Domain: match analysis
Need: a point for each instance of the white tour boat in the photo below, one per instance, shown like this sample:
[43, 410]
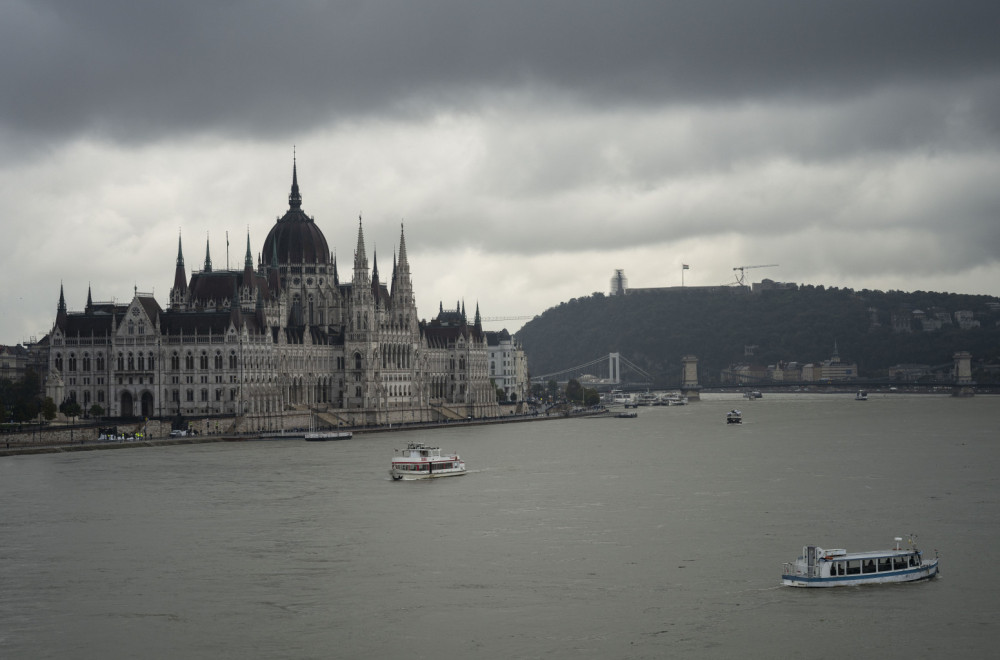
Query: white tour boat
[839, 568]
[734, 417]
[418, 461]
[647, 399]
[861, 396]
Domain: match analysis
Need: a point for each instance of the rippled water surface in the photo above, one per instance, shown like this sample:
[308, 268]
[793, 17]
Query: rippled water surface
[661, 536]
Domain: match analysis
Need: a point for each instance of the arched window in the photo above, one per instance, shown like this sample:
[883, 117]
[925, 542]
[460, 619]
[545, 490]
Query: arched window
[189, 361]
[141, 362]
[86, 361]
[218, 360]
[203, 361]
[152, 362]
[100, 361]
[72, 361]
[357, 360]
[232, 360]
[121, 362]
[175, 361]
[131, 362]
[59, 362]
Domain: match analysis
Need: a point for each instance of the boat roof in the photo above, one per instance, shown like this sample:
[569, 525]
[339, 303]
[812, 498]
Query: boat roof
[868, 554]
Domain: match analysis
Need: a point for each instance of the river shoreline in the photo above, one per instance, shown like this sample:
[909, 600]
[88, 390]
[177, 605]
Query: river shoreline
[95, 445]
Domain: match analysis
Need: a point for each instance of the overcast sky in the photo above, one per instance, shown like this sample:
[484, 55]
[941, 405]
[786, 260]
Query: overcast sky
[529, 147]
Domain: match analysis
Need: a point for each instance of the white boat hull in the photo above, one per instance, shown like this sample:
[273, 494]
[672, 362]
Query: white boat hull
[923, 572]
[409, 475]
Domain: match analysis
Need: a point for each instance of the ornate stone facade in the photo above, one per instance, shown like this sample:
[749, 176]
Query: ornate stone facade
[285, 335]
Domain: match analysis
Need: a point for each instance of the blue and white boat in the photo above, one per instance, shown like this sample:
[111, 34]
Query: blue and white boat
[817, 567]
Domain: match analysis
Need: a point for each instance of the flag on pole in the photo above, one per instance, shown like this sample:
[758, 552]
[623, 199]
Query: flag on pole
[685, 267]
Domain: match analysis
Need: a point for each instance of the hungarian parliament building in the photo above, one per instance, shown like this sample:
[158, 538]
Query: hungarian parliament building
[285, 336]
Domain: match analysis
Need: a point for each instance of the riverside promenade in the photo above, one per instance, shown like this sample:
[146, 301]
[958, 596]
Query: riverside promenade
[26, 443]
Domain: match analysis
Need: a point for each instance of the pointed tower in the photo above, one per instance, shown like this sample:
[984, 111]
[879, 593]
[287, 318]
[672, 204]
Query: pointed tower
[61, 315]
[361, 281]
[403, 305]
[376, 285]
[208, 257]
[180, 287]
[404, 287]
[479, 320]
[294, 198]
[90, 300]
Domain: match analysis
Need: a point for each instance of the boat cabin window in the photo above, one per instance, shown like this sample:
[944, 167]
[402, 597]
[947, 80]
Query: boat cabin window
[853, 567]
[885, 564]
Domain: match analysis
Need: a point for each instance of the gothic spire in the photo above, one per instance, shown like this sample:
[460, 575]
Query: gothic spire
[404, 265]
[180, 276]
[294, 198]
[360, 259]
[403, 288]
[361, 282]
[375, 282]
[248, 261]
[61, 309]
[208, 257]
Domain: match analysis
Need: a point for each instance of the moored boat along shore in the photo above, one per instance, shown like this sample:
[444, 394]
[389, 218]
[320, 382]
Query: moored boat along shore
[27, 443]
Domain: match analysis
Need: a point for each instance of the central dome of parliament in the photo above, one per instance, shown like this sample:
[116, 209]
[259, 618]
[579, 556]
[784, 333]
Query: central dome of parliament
[295, 238]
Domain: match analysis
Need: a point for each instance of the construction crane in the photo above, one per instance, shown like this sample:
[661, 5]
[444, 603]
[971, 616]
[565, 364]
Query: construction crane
[740, 277]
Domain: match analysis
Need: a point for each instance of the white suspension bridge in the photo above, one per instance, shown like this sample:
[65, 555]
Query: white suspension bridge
[611, 370]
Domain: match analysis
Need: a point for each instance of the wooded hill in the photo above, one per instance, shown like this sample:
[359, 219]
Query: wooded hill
[654, 329]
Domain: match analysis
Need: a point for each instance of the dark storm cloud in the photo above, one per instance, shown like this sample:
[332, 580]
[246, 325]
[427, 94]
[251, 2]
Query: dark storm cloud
[137, 71]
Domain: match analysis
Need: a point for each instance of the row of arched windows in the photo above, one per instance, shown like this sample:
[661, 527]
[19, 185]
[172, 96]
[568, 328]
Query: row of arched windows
[85, 362]
[135, 362]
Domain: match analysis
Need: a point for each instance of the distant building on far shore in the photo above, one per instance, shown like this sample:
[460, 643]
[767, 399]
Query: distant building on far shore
[13, 362]
[620, 287]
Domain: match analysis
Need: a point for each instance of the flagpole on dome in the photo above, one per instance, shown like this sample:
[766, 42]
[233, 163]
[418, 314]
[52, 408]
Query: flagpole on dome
[684, 267]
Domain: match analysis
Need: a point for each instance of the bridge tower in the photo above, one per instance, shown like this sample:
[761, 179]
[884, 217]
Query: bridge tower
[964, 386]
[689, 378]
[615, 368]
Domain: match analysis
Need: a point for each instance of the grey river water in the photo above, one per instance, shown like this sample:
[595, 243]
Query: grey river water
[661, 536]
